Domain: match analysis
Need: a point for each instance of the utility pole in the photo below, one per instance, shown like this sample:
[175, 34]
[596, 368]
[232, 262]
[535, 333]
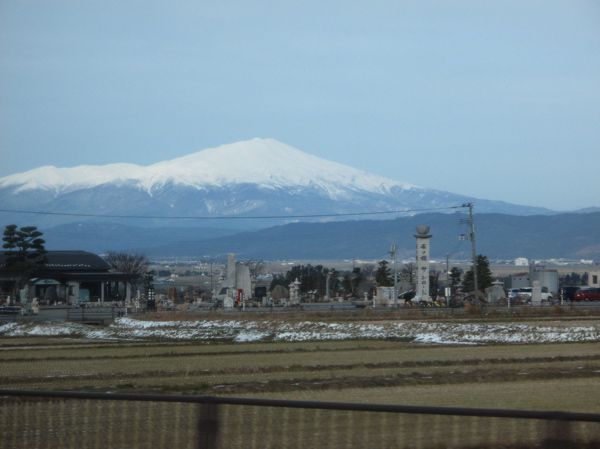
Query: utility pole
[393, 251]
[211, 280]
[448, 289]
[473, 247]
[447, 270]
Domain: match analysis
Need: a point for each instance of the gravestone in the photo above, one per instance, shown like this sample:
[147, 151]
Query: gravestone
[536, 293]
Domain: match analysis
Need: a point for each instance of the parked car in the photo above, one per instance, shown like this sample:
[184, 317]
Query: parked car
[525, 293]
[587, 294]
[514, 292]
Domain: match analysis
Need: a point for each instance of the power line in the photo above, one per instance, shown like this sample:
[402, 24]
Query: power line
[230, 217]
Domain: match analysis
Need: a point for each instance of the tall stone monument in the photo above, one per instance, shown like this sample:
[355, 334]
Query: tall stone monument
[237, 277]
[295, 292]
[422, 288]
[242, 279]
[229, 281]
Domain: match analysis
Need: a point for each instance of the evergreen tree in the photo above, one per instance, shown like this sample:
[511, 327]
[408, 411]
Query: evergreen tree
[455, 275]
[573, 279]
[383, 275]
[334, 281]
[278, 279]
[585, 278]
[23, 246]
[484, 275]
[357, 277]
[24, 251]
[347, 284]
[311, 278]
[434, 283]
[351, 281]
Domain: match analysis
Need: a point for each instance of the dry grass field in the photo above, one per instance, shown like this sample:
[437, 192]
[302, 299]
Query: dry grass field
[541, 376]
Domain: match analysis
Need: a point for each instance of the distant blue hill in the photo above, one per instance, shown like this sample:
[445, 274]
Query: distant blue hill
[499, 236]
[102, 237]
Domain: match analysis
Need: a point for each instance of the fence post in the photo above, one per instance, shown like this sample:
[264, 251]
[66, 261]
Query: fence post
[208, 426]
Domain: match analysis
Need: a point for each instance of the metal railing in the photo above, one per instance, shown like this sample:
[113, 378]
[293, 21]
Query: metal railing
[36, 419]
[103, 315]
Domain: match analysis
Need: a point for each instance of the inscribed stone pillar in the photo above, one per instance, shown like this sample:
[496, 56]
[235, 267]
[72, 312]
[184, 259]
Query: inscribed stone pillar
[422, 254]
[230, 278]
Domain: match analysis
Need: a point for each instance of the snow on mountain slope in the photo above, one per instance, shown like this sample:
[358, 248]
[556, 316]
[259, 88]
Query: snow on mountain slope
[60, 180]
[264, 162]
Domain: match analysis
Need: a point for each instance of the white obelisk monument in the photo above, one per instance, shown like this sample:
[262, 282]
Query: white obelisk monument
[422, 288]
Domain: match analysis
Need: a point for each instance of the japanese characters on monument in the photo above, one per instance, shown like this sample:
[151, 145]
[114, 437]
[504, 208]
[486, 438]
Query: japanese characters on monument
[422, 255]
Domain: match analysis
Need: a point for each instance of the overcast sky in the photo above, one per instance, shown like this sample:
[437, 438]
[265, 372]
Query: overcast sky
[499, 100]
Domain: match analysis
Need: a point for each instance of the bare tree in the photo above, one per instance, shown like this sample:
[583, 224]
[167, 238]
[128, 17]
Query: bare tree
[368, 270]
[408, 273]
[256, 268]
[135, 265]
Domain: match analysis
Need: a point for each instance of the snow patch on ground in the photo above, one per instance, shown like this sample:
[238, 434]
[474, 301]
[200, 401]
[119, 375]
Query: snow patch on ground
[247, 336]
[249, 331]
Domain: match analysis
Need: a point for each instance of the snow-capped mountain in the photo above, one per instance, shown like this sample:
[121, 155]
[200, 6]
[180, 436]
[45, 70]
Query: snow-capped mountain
[254, 177]
[265, 163]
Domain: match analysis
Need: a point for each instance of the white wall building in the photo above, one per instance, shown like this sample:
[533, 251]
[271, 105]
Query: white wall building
[594, 279]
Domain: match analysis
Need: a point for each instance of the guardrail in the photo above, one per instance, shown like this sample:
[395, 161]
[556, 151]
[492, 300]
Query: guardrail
[105, 315]
[401, 310]
[32, 419]
[100, 315]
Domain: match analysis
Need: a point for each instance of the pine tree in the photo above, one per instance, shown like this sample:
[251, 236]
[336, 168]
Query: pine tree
[383, 275]
[334, 282]
[24, 251]
[312, 278]
[23, 246]
[278, 279]
[484, 275]
[351, 281]
[455, 275]
[434, 283]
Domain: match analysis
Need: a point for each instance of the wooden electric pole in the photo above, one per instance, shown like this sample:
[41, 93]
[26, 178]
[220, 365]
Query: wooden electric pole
[473, 247]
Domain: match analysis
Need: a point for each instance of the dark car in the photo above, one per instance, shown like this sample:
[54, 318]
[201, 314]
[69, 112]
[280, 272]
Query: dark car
[587, 294]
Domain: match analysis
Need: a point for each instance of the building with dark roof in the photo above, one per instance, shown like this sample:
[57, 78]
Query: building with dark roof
[68, 277]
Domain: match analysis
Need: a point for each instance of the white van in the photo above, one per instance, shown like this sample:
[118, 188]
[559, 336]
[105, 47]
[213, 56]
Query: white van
[526, 293]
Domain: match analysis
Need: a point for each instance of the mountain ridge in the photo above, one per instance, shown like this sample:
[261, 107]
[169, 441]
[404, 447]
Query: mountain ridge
[264, 162]
[259, 177]
[500, 236]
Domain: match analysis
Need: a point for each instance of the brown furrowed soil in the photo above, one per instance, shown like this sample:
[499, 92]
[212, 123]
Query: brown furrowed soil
[541, 376]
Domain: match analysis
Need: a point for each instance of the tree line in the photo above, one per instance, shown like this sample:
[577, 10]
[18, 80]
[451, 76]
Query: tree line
[357, 281]
[25, 253]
